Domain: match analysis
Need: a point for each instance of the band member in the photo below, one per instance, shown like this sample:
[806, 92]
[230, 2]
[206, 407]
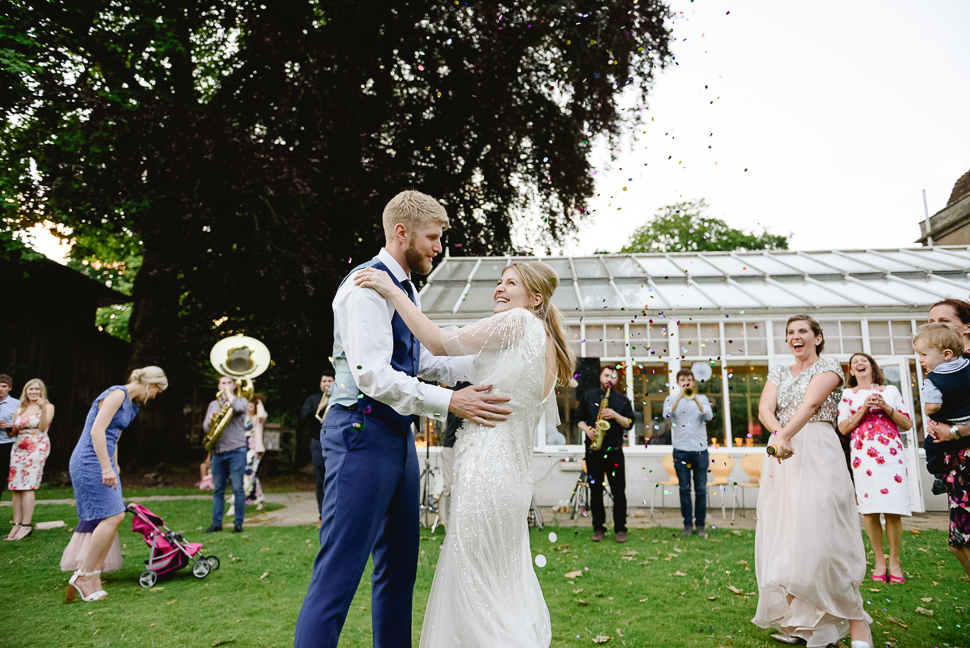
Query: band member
[311, 417]
[228, 456]
[608, 459]
[689, 412]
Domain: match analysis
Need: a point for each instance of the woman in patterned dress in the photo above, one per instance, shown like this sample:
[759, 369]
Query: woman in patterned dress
[955, 447]
[94, 472]
[29, 454]
[809, 556]
[873, 413]
[255, 418]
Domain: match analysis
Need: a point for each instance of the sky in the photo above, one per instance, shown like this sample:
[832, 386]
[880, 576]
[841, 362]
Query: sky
[824, 120]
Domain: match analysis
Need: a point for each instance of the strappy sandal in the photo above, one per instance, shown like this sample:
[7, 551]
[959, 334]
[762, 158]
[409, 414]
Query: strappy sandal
[26, 535]
[72, 586]
[11, 535]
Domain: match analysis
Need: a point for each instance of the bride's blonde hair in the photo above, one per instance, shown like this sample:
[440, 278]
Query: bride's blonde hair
[540, 279]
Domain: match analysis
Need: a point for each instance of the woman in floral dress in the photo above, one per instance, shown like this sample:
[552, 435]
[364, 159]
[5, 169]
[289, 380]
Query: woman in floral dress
[255, 418]
[873, 413]
[29, 454]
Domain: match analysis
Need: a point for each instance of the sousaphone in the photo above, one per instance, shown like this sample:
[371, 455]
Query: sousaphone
[241, 358]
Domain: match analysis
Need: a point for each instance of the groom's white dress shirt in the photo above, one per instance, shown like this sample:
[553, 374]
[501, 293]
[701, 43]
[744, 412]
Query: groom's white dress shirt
[364, 321]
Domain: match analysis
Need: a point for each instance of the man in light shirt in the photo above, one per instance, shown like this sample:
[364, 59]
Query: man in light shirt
[370, 500]
[8, 407]
[687, 422]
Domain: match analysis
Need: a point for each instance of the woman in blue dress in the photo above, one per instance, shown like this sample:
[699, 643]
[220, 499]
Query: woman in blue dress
[94, 472]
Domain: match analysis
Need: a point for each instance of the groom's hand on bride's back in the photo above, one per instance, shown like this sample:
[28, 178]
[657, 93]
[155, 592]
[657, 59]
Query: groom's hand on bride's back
[476, 404]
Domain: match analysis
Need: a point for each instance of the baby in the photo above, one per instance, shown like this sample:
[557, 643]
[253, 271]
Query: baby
[945, 391]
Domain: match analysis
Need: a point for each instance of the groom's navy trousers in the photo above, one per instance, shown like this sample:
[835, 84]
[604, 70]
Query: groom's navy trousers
[370, 504]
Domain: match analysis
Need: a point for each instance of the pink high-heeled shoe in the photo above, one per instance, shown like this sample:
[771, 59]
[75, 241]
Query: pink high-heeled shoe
[896, 579]
[881, 578]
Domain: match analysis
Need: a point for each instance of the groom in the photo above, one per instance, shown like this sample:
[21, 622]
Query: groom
[370, 502]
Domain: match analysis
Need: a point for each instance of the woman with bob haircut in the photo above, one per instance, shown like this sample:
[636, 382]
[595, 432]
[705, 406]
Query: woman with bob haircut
[94, 473]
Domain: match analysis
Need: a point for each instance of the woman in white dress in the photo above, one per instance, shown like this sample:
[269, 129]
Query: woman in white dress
[874, 413]
[485, 591]
[808, 551]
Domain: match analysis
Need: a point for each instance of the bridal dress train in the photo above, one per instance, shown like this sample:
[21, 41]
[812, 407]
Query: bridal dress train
[485, 592]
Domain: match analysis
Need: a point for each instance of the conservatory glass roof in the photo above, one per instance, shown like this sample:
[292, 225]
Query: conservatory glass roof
[910, 278]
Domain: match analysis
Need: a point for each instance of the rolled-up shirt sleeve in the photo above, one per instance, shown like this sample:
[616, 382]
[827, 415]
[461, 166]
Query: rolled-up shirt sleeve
[368, 339]
[707, 411]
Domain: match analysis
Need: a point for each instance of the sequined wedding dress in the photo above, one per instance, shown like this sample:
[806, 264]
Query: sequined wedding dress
[485, 592]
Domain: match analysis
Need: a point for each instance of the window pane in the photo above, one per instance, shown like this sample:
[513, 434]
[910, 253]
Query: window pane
[745, 383]
[915, 380]
[880, 346]
[757, 342]
[649, 391]
[594, 341]
[573, 337]
[902, 337]
[735, 343]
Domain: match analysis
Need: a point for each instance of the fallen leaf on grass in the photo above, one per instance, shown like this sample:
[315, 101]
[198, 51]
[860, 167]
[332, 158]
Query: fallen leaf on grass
[679, 573]
[915, 532]
[156, 589]
[618, 633]
[927, 599]
[873, 589]
[893, 619]
[578, 590]
[644, 600]
[711, 598]
[582, 603]
[170, 602]
[265, 574]
[735, 590]
[96, 632]
[600, 639]
[573, 574]
[924, 611]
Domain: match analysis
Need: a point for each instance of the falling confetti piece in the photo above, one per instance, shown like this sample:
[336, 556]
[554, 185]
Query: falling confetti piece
[553, 537]
[540, 561]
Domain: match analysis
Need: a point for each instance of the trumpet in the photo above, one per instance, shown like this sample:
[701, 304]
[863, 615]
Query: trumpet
[602, 426]
[242, 359]
[690, 393]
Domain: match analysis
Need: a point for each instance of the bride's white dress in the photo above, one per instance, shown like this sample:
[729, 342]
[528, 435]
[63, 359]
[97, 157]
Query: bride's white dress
[485, 592]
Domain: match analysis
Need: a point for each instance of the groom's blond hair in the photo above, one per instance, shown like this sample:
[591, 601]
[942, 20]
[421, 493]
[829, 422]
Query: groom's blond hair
[415, 211]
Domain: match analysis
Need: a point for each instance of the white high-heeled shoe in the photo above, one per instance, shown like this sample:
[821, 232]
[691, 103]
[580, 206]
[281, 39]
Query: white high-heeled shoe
[864, 644]
[90, 598]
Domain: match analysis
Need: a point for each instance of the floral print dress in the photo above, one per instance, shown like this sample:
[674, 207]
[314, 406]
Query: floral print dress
[28, 455]
[878, 458]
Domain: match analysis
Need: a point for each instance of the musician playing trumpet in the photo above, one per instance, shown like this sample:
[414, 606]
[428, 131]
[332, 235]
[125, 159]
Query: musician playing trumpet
[689, 412]
[228, 455]
[617, 411]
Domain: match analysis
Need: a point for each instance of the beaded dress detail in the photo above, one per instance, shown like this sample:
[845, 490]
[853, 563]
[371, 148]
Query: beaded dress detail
[485, 590]
[791, 391]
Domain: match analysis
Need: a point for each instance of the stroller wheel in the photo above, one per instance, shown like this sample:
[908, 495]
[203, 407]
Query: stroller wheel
[201, 569]
[213, 562]
[148, 579]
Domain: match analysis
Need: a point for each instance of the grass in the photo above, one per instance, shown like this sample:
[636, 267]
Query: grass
[656, 590]
[48, 492]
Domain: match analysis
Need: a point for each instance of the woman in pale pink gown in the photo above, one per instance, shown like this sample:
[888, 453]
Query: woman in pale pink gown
[809, 556]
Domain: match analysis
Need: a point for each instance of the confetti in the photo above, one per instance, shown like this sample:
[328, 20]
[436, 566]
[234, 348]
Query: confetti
[540, 561]
[553, 537]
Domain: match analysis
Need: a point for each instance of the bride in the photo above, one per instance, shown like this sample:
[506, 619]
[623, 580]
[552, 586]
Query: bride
[485, 591]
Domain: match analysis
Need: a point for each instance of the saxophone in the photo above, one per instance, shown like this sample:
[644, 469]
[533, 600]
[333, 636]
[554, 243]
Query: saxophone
[601, 425]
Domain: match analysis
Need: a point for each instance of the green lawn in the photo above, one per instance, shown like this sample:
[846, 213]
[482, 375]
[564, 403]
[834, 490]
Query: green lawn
[46, 492]
[657, 590]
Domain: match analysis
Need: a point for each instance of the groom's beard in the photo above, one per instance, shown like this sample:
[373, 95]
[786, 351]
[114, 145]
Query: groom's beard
[416, 261]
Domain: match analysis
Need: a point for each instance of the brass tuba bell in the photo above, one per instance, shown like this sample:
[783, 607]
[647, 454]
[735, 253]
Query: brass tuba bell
[241, 358]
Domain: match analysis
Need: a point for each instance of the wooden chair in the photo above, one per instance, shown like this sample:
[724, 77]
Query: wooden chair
[752, 465]
[721, 466]
[668, 464]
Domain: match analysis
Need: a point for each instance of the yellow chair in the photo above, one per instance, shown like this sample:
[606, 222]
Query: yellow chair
[668, 464]
[721, 466]
[751, 464]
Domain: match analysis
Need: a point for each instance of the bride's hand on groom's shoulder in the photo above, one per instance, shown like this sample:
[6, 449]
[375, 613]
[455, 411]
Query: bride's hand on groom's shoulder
[376, 280]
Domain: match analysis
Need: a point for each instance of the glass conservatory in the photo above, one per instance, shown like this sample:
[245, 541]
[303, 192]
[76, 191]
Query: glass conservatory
[652, 314]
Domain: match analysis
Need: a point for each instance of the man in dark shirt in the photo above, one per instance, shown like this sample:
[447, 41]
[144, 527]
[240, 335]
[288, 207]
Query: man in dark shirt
[311, 418]
[609, 458]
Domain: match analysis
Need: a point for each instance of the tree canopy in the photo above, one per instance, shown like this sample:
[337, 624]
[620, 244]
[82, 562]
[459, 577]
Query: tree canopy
[683, 227]
[230, 160]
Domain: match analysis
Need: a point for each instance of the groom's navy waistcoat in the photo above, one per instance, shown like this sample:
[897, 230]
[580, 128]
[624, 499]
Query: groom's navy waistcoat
[404, 358]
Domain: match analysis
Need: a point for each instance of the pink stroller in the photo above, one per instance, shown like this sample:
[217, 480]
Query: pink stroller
[170, 551]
